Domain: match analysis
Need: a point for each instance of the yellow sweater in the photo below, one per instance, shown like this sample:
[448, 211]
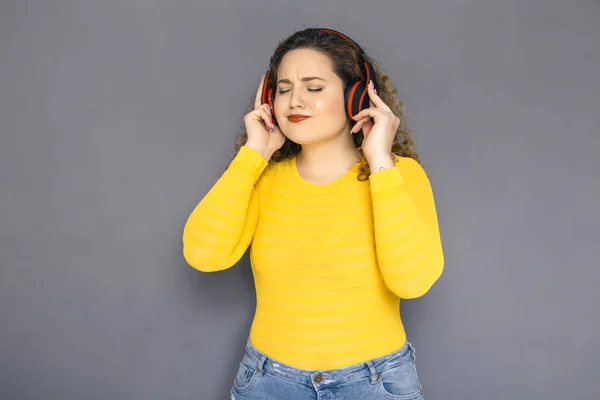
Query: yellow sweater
[330, 262]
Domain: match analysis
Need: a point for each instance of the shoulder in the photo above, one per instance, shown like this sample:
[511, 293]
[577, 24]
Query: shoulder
[412, 171]
[272, 171]
[276, 167]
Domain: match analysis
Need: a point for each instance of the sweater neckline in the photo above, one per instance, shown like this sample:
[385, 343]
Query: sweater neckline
[350, 173]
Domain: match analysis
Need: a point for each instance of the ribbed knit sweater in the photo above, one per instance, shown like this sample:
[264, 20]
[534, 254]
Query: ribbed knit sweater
[330, 262]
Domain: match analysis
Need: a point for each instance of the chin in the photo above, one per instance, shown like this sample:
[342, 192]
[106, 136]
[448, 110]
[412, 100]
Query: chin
[300, 139]
[308, 139]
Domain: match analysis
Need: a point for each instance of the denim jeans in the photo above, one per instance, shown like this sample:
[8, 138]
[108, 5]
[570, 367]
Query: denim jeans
[392, 377]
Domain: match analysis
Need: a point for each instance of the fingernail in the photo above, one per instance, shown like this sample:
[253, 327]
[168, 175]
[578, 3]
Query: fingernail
[371, 84]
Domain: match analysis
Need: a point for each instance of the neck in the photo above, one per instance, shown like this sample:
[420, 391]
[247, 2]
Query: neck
[332, 156]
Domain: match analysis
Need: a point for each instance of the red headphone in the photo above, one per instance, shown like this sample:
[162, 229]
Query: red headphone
[356, 98]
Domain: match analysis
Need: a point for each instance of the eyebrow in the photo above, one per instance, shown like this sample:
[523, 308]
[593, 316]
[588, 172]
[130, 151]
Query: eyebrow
[305, 79]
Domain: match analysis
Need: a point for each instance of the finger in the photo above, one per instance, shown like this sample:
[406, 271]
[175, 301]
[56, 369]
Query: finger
[376, 99]
[266, 117]
[261, 115]
[366, 127]
[266, 107]
[257, 100]
[269, 112]
[356, 127]
[359, 125]
[372, 112]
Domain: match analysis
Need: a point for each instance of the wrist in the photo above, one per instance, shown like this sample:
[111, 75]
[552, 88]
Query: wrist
[266, 153]
[381, 162]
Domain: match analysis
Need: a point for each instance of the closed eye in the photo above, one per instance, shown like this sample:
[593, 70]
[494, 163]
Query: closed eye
[310, 90]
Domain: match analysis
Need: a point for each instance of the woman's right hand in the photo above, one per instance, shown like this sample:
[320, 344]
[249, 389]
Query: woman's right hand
[263, 136]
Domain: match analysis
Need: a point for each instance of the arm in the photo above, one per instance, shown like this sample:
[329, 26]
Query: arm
[221, 227]
[407, 237]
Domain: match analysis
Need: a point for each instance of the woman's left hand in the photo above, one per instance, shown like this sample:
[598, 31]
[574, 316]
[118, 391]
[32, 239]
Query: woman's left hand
[378, 136]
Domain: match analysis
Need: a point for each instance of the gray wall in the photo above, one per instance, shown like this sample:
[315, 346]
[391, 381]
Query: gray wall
[117, 117]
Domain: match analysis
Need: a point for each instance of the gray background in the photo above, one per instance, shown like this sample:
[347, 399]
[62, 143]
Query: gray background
[117, 117]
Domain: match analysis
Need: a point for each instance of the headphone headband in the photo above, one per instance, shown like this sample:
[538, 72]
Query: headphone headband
[361, 52]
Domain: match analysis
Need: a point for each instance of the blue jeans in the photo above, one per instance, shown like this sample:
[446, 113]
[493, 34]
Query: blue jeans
[392, 376]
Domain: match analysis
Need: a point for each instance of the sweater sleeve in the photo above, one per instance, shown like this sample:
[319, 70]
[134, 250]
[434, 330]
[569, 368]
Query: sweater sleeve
[220, 228]
[407, 237]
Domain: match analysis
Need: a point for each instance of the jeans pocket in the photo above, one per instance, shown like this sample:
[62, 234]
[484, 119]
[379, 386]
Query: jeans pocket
[400, 382]
[244, 378]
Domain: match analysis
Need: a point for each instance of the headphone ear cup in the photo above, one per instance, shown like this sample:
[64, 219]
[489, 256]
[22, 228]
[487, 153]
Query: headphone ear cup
[268, 96]
[265, 89]
[357, 98]
[347, 101]
[271, 102]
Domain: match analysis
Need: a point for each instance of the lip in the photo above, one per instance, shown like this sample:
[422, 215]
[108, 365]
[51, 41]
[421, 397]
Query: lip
[297, 117]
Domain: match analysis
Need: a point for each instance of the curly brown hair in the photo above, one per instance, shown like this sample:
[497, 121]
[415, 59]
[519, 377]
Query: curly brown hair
[344, 57]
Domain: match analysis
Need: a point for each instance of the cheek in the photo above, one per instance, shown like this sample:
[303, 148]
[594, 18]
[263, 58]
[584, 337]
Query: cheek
[279, 108]
[332, 107]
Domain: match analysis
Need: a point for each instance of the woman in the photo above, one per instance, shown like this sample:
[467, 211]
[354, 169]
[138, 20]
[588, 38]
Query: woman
[327, 187]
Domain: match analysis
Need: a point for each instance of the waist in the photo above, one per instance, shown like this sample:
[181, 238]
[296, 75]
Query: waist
[327, 343]
[258, 359]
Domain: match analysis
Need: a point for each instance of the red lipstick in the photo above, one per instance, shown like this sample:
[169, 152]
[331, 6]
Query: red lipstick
[297, 117]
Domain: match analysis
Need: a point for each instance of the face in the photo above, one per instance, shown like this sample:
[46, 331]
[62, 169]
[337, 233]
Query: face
[320, 98]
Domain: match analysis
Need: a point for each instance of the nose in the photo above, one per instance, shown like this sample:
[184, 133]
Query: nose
[296, 100]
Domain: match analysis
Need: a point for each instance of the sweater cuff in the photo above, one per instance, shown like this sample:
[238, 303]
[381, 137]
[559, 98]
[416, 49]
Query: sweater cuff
[249, 160]
[382, 182]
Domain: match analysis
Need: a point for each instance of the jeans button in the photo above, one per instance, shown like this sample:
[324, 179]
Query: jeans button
[318, 378]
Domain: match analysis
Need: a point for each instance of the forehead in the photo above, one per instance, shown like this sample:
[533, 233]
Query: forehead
[298, 63]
